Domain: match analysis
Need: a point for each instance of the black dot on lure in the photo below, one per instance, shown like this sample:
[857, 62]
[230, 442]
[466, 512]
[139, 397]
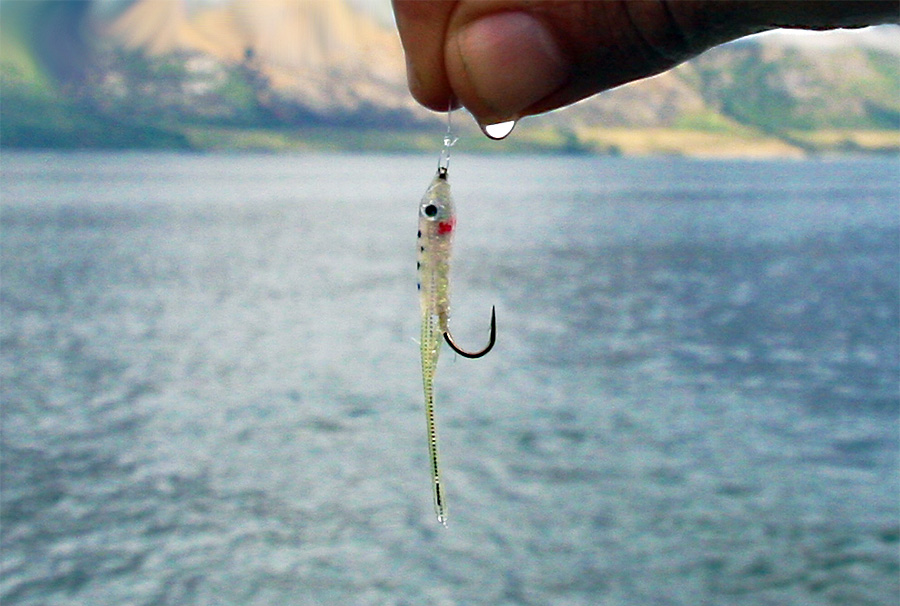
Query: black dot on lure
[430, 210]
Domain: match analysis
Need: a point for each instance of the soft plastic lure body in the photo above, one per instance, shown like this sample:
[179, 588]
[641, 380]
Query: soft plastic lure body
[437, 222]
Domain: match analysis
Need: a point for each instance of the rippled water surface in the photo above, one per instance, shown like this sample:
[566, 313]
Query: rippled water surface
[210, 390]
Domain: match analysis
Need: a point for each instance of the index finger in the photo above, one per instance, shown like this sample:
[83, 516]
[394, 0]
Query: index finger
[423, 30]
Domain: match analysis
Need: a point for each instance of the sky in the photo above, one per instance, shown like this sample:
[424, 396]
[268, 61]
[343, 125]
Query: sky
[381, 9]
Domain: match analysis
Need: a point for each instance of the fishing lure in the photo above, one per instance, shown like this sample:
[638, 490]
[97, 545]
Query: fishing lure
[437, 222]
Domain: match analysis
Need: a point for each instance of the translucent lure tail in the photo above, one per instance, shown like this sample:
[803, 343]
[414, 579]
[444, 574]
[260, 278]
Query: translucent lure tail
[430, 349]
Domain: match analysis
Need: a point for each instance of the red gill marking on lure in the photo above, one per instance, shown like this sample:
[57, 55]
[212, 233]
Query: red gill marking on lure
[445, 227]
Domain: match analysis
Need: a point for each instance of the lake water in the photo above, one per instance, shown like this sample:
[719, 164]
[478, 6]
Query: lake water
[211, 391]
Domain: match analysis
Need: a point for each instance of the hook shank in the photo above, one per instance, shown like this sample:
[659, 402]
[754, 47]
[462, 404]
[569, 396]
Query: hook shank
[468, 354]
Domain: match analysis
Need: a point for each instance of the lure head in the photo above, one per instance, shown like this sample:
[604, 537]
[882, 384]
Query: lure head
[436, 206]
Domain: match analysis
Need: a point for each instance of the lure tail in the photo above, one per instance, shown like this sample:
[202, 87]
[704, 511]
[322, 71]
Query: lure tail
[431, 346]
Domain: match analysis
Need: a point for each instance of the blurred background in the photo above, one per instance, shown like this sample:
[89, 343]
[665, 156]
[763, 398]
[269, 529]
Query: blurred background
[329, 74]
[209, 382]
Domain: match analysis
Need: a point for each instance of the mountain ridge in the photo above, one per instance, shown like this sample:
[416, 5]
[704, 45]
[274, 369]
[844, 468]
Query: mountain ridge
[288, 66]
[305, 50]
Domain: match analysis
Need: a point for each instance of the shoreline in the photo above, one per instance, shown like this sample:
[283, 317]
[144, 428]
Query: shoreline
[738, 143]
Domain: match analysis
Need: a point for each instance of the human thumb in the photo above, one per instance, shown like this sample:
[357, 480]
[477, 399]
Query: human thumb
[501, 64]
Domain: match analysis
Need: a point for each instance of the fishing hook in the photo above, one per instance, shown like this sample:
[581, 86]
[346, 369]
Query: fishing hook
[466, 354]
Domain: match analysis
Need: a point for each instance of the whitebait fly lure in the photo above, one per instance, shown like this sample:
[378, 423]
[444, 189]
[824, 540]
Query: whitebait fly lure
[437, 222]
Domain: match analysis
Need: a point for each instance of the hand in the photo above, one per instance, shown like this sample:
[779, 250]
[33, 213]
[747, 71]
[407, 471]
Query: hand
[504, 59]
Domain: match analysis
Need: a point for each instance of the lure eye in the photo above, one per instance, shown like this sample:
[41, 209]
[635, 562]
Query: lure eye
[430, 210]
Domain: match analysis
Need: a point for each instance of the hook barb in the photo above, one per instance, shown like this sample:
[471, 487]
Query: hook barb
[477, 354]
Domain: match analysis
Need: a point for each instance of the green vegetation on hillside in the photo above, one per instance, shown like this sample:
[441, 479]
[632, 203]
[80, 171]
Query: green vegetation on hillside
[789, 89]
[37, 111]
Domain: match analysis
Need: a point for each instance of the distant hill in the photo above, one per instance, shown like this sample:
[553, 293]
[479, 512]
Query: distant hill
[318, 55]
[271, 73]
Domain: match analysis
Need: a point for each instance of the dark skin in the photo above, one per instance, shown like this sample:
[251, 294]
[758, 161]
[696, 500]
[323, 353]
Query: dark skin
[505, 59]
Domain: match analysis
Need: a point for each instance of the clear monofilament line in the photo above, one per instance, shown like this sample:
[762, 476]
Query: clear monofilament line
[449, 141]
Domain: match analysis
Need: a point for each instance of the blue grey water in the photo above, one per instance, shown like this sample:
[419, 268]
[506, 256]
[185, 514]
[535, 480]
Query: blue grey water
[211, 391]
